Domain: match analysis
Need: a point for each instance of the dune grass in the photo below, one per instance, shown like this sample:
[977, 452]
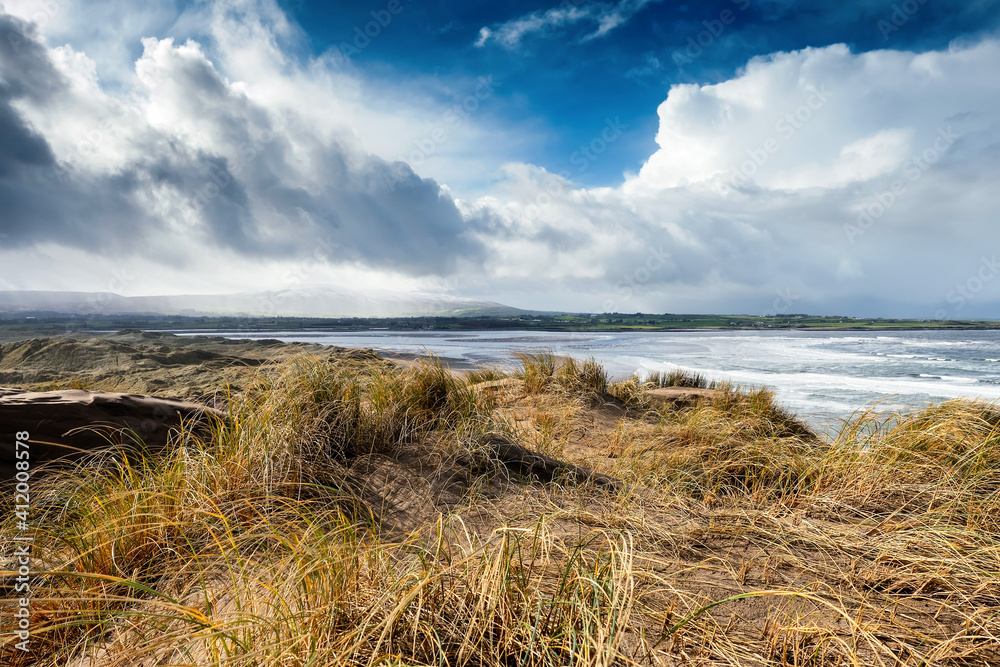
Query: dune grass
[678, 378]
[740, 538]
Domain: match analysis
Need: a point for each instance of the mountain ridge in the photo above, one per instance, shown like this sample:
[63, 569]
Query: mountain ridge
[299, 301]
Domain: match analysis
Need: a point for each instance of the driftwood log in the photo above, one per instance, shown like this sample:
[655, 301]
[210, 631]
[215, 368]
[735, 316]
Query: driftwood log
[67, 425]
[73, 423]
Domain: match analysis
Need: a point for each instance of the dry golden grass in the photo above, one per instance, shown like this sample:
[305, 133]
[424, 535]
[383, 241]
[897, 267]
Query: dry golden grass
[350, 516]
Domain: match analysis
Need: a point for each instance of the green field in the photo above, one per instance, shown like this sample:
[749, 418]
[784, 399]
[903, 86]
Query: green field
[20, 325]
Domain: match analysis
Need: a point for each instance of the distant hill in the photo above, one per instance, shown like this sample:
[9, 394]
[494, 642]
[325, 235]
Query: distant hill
[300, 301]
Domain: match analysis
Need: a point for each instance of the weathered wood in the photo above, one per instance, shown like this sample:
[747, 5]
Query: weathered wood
[73, 423]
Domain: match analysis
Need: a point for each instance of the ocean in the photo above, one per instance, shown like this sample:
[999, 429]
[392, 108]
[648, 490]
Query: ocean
[822, 376]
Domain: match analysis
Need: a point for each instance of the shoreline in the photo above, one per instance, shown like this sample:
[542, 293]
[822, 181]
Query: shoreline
[824, 403]
[318, 329]
[810, 388]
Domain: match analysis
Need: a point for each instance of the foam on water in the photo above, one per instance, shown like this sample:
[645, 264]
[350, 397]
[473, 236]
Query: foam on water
[824, 376]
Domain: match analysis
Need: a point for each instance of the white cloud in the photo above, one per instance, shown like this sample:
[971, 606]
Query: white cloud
[759, 182]
[193, 162]
[484, 36]
[840, 117]
[109, 32]
[619, 15]
[861, 160]
[606, 16]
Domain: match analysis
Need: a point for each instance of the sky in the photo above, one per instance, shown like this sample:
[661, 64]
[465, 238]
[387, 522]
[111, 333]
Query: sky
[729, 156]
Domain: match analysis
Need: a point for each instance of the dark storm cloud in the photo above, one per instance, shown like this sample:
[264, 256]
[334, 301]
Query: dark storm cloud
[40, 198]
[244, 189]
[24, 72]
[374, 212]
[391, 213]
[25, 66]
[22, 147]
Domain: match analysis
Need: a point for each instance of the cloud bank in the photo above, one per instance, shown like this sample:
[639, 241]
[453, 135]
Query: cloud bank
[852, 182]
[818, 180]
[188, 159]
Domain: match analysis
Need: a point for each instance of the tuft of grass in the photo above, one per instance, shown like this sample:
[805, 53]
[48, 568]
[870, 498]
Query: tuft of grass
[738, 445]
[586, 378]
[485, 374]
[677, 378]
[537, 370]
[631, 392]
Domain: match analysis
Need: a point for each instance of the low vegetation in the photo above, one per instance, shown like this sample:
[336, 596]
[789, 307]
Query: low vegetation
[353, 514]
[16, 326]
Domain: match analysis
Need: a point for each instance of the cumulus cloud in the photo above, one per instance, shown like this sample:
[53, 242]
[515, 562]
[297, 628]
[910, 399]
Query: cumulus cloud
[190, 159]
[109, 32]
[853, 181]
[828, 117]
[43, 196]
[605, 16]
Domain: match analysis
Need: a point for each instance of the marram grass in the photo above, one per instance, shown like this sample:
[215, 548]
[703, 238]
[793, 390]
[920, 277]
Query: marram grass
[740, 538]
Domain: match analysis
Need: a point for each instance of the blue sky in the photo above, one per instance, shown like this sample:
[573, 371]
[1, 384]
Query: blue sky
[618, 155]
[556, 80]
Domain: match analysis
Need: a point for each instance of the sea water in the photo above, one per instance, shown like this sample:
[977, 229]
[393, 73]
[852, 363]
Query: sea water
[822, 376]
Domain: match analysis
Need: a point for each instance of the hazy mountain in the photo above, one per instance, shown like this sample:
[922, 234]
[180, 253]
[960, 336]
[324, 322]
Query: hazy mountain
[301, 301]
